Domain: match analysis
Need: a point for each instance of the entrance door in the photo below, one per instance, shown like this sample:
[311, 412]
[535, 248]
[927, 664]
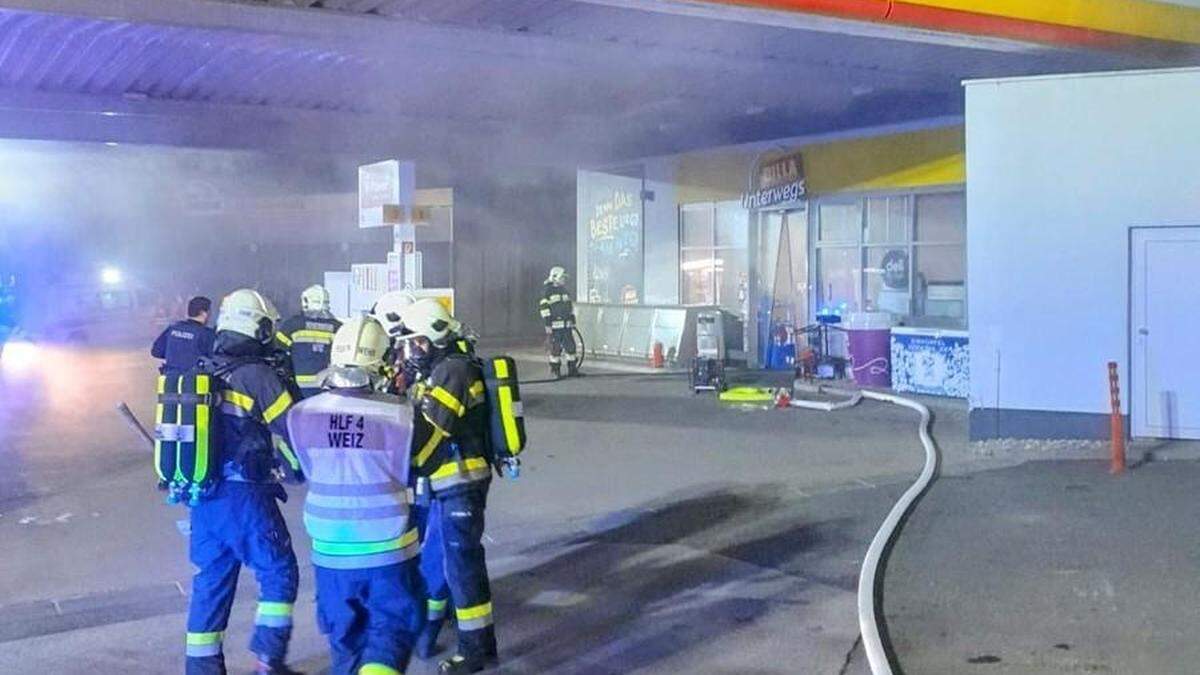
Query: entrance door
[1164, 395]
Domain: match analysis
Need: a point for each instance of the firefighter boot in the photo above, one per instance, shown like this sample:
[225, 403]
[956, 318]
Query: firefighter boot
[572, 368]
[556, 369]
[427, 639]
[467, 664]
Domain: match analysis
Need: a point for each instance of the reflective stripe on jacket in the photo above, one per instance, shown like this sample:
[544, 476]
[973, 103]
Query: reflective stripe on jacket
[254, 402]
[556, 308]
[307, 338]
[450, 432]
[354, 448]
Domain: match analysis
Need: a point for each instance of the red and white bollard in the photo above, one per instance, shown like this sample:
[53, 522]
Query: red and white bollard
[1117, 422]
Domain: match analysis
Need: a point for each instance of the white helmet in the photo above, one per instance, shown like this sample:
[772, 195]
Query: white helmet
[389, 309]
[359, 343]
[314, 299]
[430, 319]
[248, 313]
[558, 275]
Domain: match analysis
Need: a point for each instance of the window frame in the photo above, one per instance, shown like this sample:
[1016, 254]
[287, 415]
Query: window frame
[911, 246]
[711, 248]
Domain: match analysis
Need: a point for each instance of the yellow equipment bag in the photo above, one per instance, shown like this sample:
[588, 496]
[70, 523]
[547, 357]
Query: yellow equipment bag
[749, 395]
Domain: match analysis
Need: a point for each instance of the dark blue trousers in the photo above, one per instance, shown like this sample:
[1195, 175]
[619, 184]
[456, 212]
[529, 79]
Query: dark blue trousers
[371, 615]
[433, 560]
[240, 524]
[460, 514]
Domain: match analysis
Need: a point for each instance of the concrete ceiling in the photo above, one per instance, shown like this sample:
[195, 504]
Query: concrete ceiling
[563, 81]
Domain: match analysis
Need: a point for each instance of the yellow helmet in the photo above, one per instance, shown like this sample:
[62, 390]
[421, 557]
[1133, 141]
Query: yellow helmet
[359, 343]
[314, 299]
[430, 319]
[247, 312]
[389, 309]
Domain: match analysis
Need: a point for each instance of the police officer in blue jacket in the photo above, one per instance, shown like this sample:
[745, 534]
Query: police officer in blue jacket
[183, 343]
[240, 523]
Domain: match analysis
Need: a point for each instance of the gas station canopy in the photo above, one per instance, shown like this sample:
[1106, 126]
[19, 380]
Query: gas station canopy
[584, 80]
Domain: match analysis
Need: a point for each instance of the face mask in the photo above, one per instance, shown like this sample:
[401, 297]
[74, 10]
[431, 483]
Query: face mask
[418, 358]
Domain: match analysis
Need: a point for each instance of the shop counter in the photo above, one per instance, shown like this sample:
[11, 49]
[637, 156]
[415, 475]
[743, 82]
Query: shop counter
[930, 361]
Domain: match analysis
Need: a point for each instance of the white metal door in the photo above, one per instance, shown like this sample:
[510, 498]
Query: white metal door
[1165, 332]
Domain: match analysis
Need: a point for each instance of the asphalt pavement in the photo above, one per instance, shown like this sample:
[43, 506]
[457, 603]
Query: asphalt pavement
[652, 531]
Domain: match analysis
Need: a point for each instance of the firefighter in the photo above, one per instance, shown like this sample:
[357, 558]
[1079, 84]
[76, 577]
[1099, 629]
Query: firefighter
[240, 523]
[387, 311]
[403, 372]
[306, 338]
[558, 317]
[354, 446]
[184, 343]
[450, 451]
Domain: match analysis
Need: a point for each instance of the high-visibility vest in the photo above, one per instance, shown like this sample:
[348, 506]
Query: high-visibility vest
[354, 449]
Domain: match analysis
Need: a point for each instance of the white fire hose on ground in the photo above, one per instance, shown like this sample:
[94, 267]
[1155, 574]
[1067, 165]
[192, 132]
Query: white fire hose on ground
[868, 613]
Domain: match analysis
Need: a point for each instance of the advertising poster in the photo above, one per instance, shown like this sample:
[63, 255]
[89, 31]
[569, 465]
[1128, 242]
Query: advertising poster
[613, 209]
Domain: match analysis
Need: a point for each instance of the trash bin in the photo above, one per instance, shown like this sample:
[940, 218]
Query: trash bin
[869, 335]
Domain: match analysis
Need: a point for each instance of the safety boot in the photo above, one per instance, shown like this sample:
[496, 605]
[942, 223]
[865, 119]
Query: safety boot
[556, 370]
[572, 369]
[467, 664]
[427, 639]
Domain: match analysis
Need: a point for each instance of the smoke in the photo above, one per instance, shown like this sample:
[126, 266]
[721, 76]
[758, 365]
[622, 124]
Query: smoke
[498, 102]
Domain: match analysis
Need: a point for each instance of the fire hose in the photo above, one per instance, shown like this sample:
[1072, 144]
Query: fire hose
[870, 622]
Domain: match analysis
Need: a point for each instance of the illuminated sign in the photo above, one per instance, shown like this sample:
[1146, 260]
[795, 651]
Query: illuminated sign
[780, 181]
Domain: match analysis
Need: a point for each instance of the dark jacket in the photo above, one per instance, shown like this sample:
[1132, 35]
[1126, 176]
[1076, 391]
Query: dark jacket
[254, 405]
[450, 425]
[182, 345]
[556, 307]
[307, 339]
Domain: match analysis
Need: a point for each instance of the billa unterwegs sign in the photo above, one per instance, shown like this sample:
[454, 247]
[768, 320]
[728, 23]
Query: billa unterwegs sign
[780, 181]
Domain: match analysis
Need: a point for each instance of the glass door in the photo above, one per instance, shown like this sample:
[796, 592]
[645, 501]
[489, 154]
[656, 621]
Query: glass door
[782, 302]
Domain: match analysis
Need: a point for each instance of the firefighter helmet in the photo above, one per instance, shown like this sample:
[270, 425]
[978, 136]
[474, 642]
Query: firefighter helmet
[389, 309]
[429, 319]
[360, 343]
[248, 313]
[314, 299]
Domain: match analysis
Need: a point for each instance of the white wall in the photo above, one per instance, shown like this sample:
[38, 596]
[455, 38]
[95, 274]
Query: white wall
[1058, 169]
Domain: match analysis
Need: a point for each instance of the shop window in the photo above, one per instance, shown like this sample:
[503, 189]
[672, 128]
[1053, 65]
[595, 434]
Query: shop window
[941, 291]
[840, 222]
[888, 220]
[732, 225]
[696, 223]
[941, 218]
[904, 255]
[840, 269]
[885, 279]
[698, 271]
[939, 284]
[713, 261]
